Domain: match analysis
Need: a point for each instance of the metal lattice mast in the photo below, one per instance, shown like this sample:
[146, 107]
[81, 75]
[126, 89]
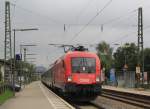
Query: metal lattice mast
[140, 41]
[8, 49]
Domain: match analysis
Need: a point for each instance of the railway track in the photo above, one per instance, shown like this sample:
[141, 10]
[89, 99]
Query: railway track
[107, 96]
[76, 105]
[86, 105]
[138, 100]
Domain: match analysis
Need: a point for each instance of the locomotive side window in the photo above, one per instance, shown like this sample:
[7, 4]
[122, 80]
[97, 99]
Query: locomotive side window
[83, 65]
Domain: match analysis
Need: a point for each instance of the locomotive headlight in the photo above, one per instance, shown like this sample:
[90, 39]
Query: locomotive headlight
[97, 79]
[69, 79]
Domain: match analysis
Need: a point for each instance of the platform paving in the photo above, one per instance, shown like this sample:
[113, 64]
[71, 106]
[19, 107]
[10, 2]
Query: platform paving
[130, 90]
[31, 97]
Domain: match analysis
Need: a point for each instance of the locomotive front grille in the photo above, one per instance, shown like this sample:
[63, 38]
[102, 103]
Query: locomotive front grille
[73, 88]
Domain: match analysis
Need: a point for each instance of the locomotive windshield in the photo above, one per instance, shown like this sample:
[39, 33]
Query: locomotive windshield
[83, 65]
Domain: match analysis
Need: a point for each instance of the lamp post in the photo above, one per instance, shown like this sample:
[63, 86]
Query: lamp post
[21, 47]
[29, 29]
[31, 58]
[30, 73]
[25, 59]
[26, 45]
[14, 66]
[21, 30]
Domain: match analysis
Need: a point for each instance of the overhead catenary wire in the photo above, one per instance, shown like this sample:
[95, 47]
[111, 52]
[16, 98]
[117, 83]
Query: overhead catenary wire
[106, 22]
[83, 9]
[55, 20]
[38, 14]
[119, 17]
[128, 34]
[91, 20]
[109, 21]
[114, 25]
[123, 37]
[27, 10]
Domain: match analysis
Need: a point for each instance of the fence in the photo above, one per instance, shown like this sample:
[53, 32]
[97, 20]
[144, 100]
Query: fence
[128, 79]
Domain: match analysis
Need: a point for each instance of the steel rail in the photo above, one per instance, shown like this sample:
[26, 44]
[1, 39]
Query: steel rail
[86, 105]
[129, 98]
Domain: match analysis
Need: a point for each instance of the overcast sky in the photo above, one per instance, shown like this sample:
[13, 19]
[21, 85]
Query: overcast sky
[51, 15]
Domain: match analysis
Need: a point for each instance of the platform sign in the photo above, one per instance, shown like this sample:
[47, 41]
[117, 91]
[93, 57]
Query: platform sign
[18, 57]
[138, 70]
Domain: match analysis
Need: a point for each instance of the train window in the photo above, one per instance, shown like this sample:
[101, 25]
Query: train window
[83, 65]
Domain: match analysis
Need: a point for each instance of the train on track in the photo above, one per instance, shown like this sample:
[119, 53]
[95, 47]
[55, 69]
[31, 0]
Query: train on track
[76, 74]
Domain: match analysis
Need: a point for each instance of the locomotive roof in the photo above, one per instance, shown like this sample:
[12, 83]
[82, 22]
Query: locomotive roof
[75, 53]
[82, 53]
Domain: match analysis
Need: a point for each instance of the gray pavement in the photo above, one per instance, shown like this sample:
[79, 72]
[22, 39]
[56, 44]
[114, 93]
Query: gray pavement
[31, 97]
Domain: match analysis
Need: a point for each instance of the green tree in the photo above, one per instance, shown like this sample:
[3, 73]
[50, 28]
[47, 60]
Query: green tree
[28, 69]
[104, 51]
[126, 54]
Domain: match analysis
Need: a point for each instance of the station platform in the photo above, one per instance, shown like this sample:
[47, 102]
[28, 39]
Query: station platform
[129, 90]
[35, 96]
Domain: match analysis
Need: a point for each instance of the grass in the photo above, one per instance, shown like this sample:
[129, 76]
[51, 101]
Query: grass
[5, 96]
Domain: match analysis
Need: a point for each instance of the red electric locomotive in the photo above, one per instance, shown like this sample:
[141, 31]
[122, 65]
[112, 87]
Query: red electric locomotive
[76, 74]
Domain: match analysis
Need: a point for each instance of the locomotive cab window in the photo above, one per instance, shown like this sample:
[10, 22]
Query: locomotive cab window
[83, 65]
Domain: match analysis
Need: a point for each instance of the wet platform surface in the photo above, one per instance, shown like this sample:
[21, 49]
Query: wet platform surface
[35, 96]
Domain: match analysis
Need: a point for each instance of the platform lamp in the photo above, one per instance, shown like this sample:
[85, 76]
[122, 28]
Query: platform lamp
[26, 29]
[32, 61]
[26, 54]
[21, 47]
